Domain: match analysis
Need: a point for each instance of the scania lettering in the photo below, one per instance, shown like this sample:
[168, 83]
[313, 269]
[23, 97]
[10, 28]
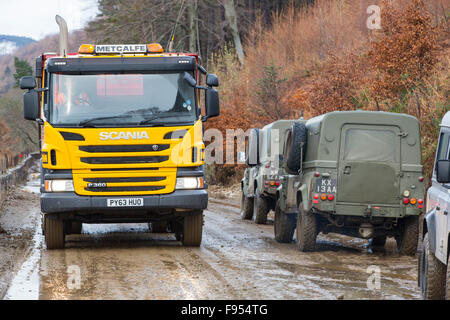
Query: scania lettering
[123, 135]
[121, 138]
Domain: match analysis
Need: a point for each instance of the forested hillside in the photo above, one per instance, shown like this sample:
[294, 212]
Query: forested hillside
[279, 59]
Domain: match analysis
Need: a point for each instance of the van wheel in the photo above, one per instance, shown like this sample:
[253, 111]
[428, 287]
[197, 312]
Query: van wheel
[306, 230]
[193, 229]
[54, 233]
[246, 207]
[284, 225]
[409, 236]
[260, 208]
[432, 273]
[159, 226]
[379, 241]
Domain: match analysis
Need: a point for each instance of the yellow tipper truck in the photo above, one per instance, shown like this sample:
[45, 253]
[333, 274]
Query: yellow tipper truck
[122, 138]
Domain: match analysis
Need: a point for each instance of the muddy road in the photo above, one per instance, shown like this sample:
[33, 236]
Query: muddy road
[237, 260]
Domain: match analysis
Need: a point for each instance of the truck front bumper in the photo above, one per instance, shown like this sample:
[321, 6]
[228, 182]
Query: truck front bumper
[71, 202]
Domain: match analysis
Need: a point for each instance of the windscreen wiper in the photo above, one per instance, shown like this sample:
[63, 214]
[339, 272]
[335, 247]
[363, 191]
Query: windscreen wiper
[85, 122]
[149, 120]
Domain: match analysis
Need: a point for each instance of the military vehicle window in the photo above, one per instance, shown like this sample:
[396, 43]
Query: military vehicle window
[370, 145]
[443, 146]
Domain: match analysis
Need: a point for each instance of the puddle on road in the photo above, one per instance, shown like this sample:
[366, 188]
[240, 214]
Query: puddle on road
[25, 285]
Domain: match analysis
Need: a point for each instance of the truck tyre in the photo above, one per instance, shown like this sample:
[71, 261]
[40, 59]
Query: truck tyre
[284, 225]
[252, 148]
[409, 236]
[295, 147]
[379, 241]
[306, 230]
[54, 233]
[246, 207]
[260, 208]
[432, 273]
[192, 230]
[159, 226]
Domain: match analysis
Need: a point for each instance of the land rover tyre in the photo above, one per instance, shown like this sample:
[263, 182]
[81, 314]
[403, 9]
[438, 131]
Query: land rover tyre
[246, 207]
[252, 154]
[432, 273]
[409, 236]
[260, 208]
[284, 225]
[306, 230]
[54, 232]
[295, 147]
[193, 229]
[159, 226]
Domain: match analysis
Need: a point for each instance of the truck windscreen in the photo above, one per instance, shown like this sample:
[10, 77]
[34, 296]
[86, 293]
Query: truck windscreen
[121, 99]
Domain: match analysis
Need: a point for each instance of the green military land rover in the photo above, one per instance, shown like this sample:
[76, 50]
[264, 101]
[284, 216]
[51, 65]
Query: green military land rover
[357, 173]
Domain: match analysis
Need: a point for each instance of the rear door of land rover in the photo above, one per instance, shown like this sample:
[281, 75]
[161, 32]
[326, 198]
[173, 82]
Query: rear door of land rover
[369, 165]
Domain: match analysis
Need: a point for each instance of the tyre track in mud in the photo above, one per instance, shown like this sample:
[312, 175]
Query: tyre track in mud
[237, 260]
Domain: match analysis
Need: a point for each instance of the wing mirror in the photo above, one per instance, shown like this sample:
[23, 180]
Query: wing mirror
[30, 98]
[443, 171]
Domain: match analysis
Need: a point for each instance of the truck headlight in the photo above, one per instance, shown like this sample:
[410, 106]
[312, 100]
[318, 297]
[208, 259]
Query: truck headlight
[59, 185]
[189, 183]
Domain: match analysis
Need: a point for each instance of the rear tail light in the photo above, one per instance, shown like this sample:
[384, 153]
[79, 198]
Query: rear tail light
[405, 200]
[331, 197]
[277, 183]
[316, 196]
[421, 179]
[420, 201]
[317, 174]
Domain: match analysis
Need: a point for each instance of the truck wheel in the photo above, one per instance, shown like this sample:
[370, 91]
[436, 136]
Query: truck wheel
[54, 233]
[306, 230]
[295, 147]
[159, 226]
[432, 273]
[409, 236]
[246, 207]
[379, 241]
[284, 225]
[192, 230]
[260, 208]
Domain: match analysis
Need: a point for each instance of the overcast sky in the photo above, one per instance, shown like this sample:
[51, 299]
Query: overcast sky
[36, 18]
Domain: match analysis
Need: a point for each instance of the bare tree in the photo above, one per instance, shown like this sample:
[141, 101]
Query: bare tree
[231, 16]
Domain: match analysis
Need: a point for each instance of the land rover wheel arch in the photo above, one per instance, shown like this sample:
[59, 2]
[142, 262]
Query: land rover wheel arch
[295, 147]
[252, 154]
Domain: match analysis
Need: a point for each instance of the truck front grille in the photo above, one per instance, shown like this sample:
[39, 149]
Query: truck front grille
[120, 181]
[124, 160]
[125, 148]
[125, 188]
[124, 179]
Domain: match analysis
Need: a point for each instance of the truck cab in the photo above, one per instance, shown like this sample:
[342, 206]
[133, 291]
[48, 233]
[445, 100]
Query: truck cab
[121, 138]
[434, 264]
[360, 175]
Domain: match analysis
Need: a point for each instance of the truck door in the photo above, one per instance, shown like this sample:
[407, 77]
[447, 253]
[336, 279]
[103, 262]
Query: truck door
[369, 165]
[439, 200]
